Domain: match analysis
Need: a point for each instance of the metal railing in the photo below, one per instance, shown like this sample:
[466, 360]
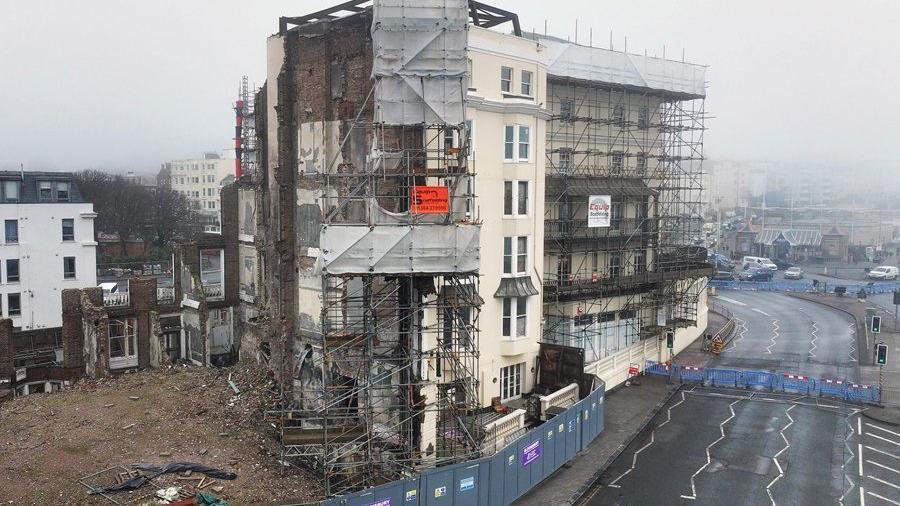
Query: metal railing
[805, 286]
[214, 291]
[165, 294]
[118, 299]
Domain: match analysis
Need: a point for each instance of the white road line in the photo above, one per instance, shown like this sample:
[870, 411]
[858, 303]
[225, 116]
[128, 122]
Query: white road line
[708, 456]
[726, 299]
[873, 494]
[740, 336]
[882, 438]
[859, 425]
[775, 458]
[774, 336]
[879, 480]
[760, 311]
[812, 343]
[634, 457]
[849, 435]
[882, 428]
[876, 450]
[862, 496]
[883, 466]
[852, 328]
[859, 458]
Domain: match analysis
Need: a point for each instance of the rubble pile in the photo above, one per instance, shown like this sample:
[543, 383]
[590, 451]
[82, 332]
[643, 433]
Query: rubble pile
[96, 429]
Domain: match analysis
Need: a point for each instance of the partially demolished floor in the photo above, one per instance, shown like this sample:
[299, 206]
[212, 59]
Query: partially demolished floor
[48, 442]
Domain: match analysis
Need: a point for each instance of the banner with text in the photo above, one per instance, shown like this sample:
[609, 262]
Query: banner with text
[599, 210]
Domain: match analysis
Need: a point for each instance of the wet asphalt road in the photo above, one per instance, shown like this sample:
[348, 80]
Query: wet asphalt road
[735, 447]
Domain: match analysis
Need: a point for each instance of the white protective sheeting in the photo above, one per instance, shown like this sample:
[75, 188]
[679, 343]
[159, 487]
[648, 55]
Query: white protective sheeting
[353, 249]
[420, 60]
[565, 59]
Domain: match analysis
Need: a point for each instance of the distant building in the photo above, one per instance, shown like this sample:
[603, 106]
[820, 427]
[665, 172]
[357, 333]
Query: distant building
[48, 245]
[200, 180]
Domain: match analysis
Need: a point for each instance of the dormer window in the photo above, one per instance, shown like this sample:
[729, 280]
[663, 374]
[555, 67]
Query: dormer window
[62, 191]
[10, 191]
[45, 189]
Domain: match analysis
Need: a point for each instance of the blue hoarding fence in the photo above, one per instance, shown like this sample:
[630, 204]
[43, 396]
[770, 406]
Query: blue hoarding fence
[804, 286]
[500, 478]
[766, 380]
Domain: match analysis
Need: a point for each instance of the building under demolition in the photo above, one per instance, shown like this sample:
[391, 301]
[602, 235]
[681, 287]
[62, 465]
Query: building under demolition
[437, 197]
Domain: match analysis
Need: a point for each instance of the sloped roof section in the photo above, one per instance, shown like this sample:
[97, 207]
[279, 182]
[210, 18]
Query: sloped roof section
[565, 59]
[793, 237]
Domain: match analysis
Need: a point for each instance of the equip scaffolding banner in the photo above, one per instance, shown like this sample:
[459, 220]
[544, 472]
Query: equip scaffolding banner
[598, 211]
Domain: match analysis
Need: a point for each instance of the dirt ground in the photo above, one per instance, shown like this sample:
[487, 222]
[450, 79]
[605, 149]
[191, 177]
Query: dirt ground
[183, 413]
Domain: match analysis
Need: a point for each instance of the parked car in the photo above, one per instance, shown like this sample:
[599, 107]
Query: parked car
[793, 273]
[883, 272]
[723, 276]
[748, 262]
[720, 261]
[757, 274]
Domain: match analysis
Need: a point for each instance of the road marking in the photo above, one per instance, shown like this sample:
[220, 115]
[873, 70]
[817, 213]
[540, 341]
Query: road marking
[862, 496]
[708, 456]
[859, 425]
[882, 438]
[812, 343]
[740, 336]
[876, 450]
[859, 458]
[775, 458]
[879, 480]
[852, 328]
[849, 435]
[634, 457]
[726, 299]
[882, 428]
[774, 336]
[760, 311]
[873, 494]
[883, 466]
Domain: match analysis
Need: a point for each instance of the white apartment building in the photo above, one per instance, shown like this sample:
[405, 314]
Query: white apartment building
[200, 180]
[48, 245]
[507, 124]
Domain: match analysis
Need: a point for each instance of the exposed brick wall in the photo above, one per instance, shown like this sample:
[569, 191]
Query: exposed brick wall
[143, 302]
[6, 349]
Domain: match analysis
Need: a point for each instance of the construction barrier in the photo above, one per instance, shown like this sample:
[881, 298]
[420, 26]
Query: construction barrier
[851, 289]
[775, 382]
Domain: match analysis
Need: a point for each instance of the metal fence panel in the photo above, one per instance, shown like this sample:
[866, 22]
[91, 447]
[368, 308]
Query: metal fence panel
[759, 379]
[833, 388]
[690, 373]
[466, 485]
[797, 384]
[437, 487]
[657, 368]
[724, 377]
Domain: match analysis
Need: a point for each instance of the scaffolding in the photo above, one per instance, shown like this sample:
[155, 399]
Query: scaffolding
[641, 274]
[386, 386]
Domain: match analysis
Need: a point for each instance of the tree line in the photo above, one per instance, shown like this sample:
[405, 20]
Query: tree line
[159, 216]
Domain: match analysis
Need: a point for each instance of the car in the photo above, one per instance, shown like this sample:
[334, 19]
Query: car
[883, 272]
[757, 274]
[723, 276]
[782, 264]
[749, 262]
[793, 273]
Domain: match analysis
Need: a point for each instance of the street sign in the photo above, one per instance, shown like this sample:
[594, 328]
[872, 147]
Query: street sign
[881, 354]
[876, 324]
[670, 339]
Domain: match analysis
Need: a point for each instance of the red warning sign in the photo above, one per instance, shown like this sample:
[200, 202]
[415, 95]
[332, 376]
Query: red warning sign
[429, 200]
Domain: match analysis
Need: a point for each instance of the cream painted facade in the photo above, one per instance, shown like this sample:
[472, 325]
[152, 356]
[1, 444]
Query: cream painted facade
[490, 111]
[201, 180]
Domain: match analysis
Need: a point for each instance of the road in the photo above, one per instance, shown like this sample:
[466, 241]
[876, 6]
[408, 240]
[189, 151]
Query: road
[780, 333]
[712, 446]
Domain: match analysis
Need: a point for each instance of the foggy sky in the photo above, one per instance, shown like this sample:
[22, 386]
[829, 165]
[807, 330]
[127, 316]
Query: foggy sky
[126, 85]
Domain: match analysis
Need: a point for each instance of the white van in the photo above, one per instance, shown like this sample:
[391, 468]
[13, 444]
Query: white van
[748, 262]
[883, 272]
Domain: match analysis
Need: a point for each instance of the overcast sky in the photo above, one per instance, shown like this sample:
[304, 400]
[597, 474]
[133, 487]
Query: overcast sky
[126, 85]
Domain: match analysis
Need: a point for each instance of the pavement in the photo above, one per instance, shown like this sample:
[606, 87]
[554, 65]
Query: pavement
[628, 411]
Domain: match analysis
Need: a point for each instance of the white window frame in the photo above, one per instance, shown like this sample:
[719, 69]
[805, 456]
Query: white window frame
[513, 315]
[527, 83]
[511, 381]
[506, 85]
[129, 358]
[514, 242]
[517, 143]
[221, 272]
[516, 198]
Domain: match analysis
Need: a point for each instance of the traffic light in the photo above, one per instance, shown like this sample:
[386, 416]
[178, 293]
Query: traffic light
[881, 354]
[876, 324]
[670, 339]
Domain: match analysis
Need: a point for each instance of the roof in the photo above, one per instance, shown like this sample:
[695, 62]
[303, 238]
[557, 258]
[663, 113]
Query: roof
[28, 186]
[793, 237]
[583, 186]
[516, 287]
[566, 59]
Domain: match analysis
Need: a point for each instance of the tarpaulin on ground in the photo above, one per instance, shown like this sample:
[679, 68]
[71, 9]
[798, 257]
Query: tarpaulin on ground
[154, 470]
